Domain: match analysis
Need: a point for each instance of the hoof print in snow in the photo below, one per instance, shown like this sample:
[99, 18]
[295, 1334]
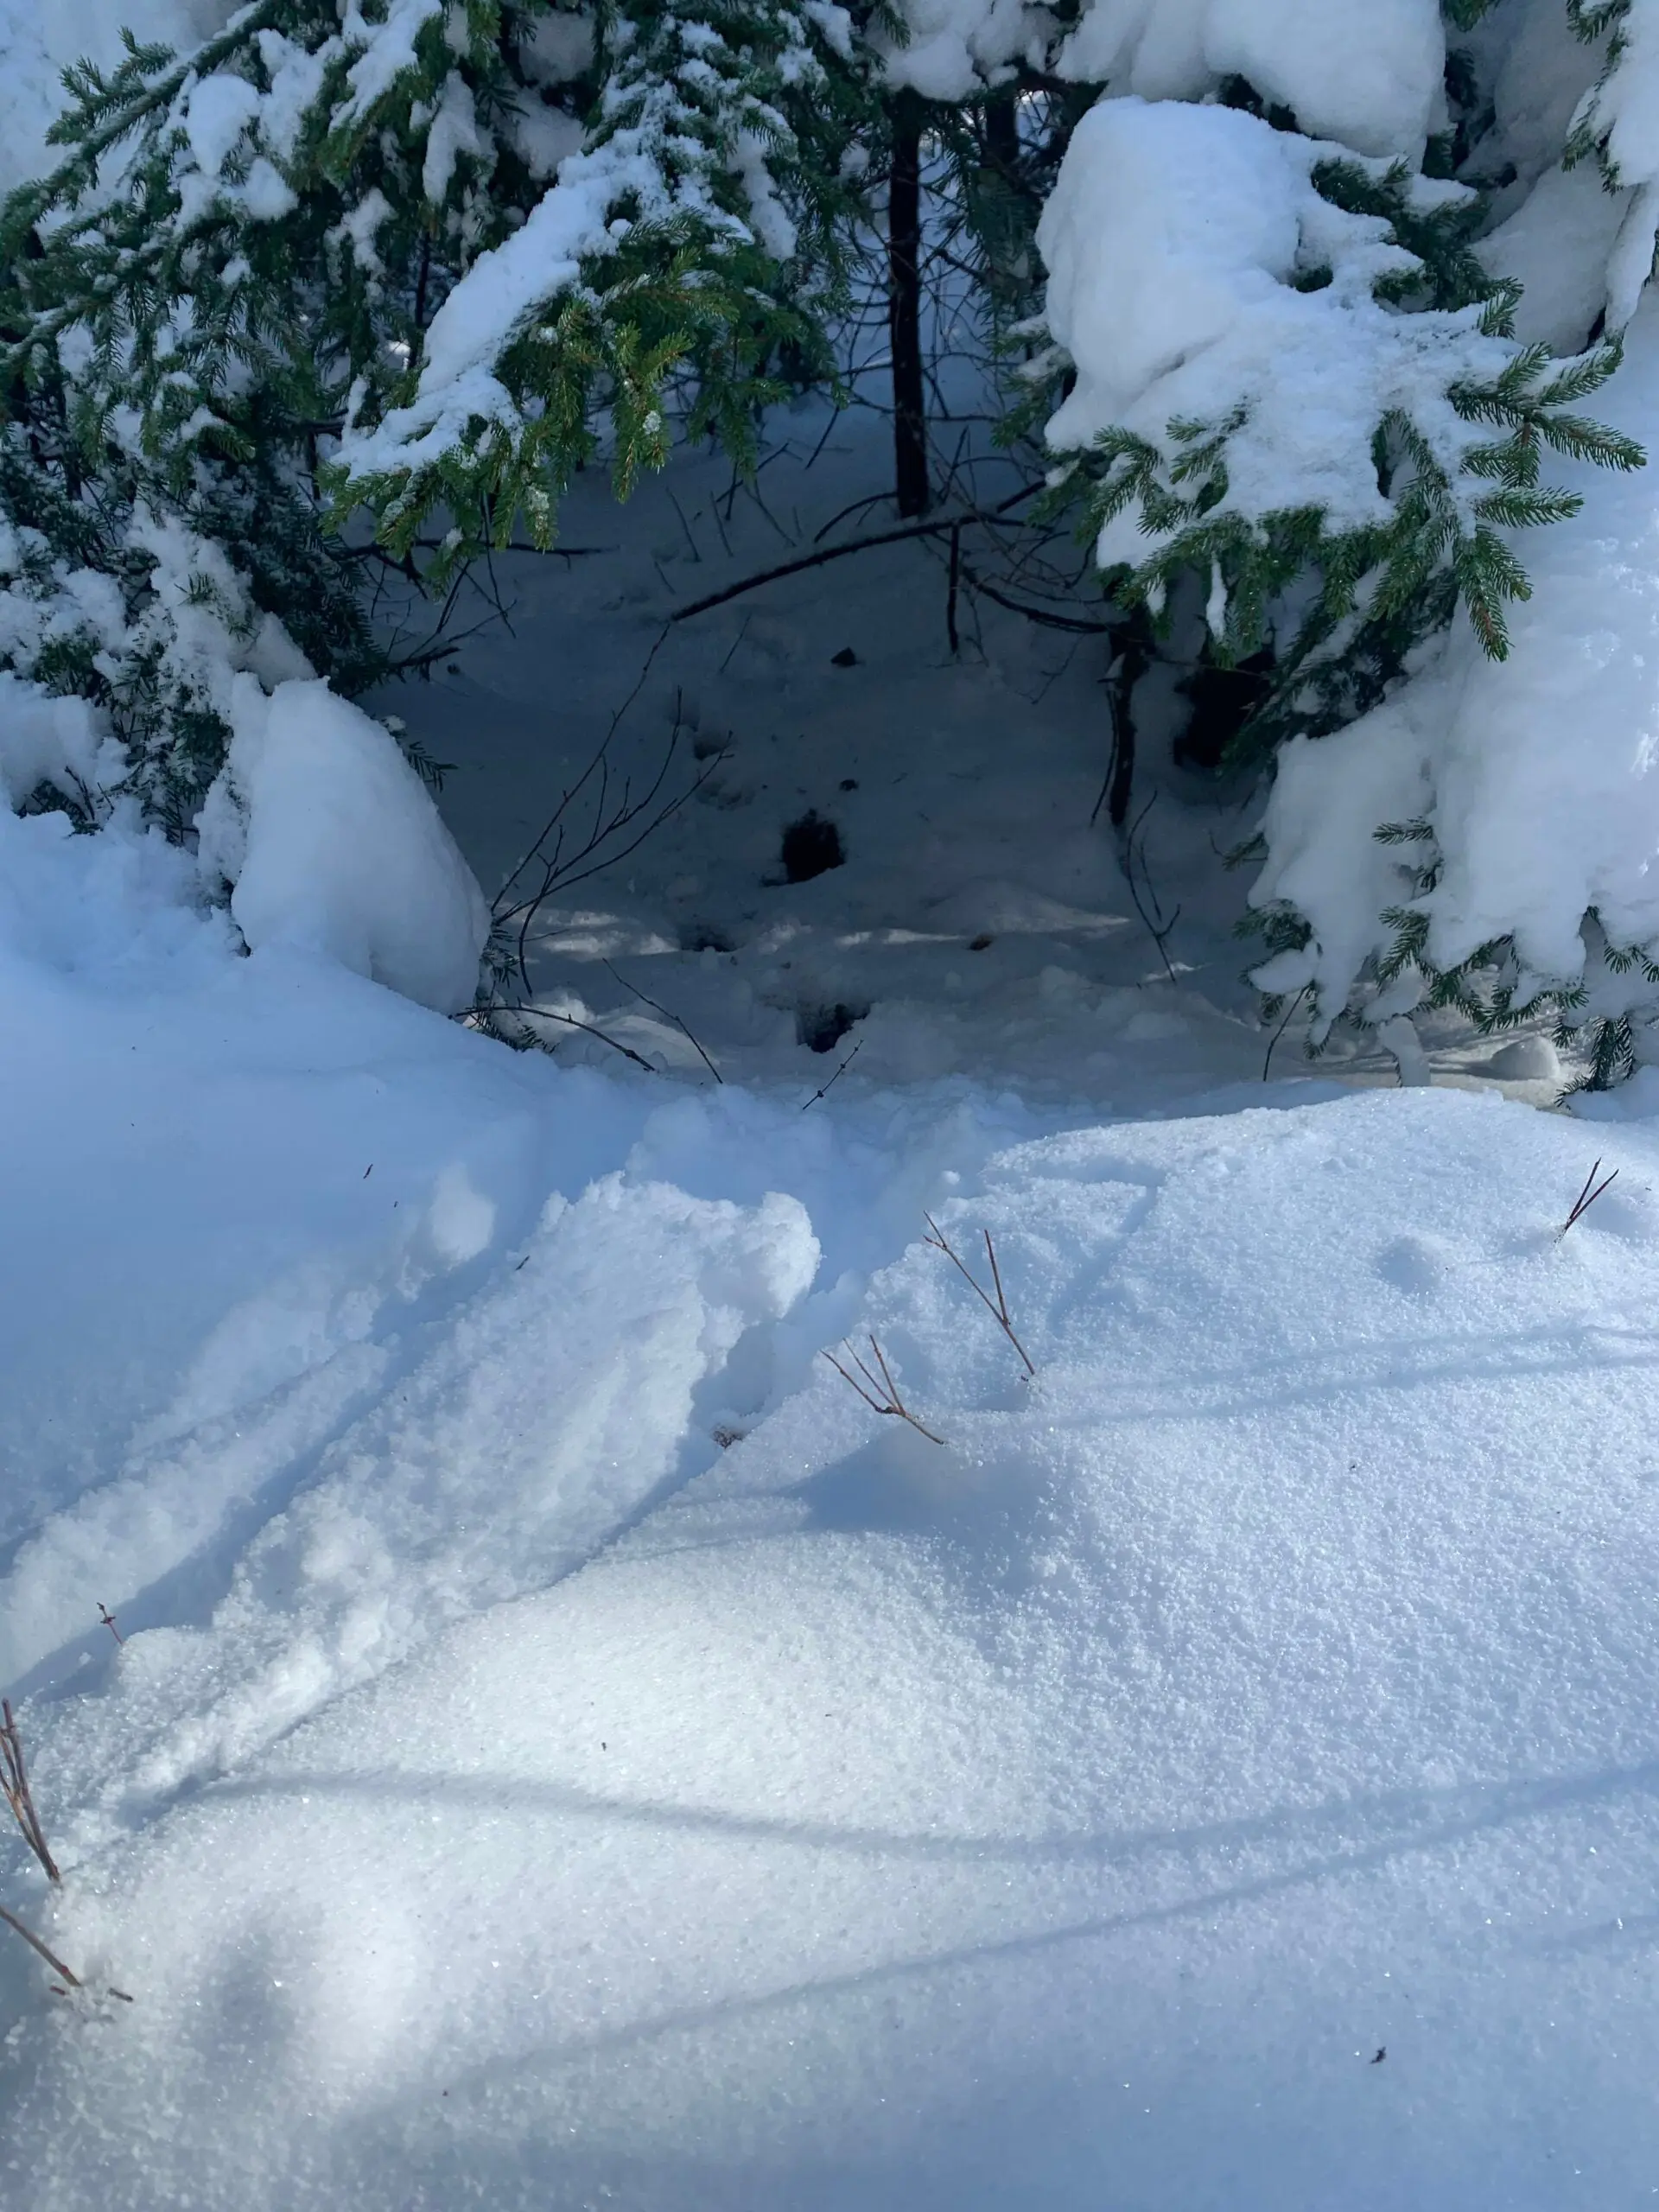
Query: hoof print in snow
[845, 658]
[811, 846]
[821, 1028]
[983, 943]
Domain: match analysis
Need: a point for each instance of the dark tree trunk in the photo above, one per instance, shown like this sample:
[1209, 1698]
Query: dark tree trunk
[1002, 136]
[1132, 660]
[904, 307]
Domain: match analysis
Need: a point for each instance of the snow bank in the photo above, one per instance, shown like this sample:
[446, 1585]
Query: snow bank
[333, 844]
[1221, 1773]
[1534, 830]
[1365, 72]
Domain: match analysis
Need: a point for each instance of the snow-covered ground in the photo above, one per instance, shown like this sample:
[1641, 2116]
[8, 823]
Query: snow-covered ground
[983, 921]
[564, 1749]
[568, 1751]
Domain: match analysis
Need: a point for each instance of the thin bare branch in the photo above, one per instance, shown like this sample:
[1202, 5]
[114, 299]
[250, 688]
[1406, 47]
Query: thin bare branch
[13, 1786]
[684, 1031]
[939, 526]
[826, 1090]
[51, 1957]
[877, 1388]
[997, 1306]
[1587, 1197]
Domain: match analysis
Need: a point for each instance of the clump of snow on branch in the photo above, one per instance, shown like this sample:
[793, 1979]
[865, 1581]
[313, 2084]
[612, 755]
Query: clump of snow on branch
[1174, 241]
[56, 742]
[1367, 72]
[1618, 121]
[955, 48]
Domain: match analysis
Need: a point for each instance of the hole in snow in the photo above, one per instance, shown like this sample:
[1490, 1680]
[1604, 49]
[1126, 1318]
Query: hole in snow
[821, 1028]
[811, 846]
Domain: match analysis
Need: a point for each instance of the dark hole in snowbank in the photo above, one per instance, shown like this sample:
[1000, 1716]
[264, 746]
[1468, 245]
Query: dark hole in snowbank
[811, 846]
[821, 1028]
[703, 937]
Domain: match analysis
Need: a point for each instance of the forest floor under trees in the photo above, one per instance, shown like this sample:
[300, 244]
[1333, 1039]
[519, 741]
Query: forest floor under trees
[562, 1747]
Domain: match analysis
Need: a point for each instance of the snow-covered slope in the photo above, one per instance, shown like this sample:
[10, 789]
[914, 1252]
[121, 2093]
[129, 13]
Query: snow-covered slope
[568, 1751]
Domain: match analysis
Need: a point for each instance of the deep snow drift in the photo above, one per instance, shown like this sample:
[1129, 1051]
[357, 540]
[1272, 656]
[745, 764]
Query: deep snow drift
[568, 1751]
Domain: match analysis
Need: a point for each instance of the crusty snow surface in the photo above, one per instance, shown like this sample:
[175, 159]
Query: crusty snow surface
[568, 1752]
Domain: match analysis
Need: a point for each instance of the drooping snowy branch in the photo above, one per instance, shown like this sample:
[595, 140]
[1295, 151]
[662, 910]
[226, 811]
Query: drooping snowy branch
[1269, 380]
[1518, 802]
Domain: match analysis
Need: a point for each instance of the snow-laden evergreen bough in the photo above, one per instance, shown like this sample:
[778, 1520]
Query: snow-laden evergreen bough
[405, 258]
[1329, 286]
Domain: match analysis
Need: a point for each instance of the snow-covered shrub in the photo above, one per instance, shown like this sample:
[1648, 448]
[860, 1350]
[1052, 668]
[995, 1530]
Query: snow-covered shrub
[1330, 282]
[1488, 836]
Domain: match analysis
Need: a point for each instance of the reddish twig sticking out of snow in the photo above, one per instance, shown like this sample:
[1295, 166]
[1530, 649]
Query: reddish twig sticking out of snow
[998, 1306]
[879, 1390]
[51, 1957]
[14, 1786]
[1587, 1197]
[107, 1620]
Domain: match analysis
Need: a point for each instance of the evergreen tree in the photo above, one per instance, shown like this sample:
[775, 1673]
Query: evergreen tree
[424, 257]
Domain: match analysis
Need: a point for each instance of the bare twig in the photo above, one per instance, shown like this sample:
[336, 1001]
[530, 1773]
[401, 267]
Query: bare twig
[836, 1078]
[1587, 1197]
[515, 909]
[877, 1388]
[527, 1014]
[997, 1306]
[1273, 1041]
[107, 1618]
[938, 526]
[684, 1031]
[13, 1786]
[51, 1957]
[1134, 855]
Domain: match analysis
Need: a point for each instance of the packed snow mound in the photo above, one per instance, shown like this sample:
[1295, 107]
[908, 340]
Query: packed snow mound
[1172, 240]
[333, 844]
[1533, 833]
[1220, 1772]
[1365, 72]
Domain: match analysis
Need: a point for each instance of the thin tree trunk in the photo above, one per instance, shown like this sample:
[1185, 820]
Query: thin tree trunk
[1132, 663]
[904, 307]
[1002, 136]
